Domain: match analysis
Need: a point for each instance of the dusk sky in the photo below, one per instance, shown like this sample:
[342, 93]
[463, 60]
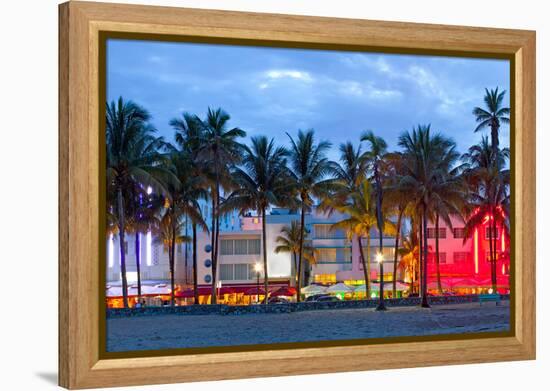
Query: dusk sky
[272, 91]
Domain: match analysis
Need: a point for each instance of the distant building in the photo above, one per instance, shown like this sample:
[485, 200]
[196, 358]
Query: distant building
[337, 258]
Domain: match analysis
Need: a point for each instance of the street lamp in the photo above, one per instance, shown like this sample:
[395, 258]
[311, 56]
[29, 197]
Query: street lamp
[258, 269]
[381, 305]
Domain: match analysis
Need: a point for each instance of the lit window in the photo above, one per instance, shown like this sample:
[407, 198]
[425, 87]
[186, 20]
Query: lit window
[459, 233]
[254, 246]
[442, 233]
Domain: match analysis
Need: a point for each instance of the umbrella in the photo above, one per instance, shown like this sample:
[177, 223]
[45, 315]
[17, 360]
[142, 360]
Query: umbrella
[284, 291]
[340, 287]
[255, 291]
[313, 289]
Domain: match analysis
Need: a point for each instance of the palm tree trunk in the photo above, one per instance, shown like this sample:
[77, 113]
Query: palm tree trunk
[300, 255]
[264, 251]
[138, 264]
[420, 255]
[365, 271]
[437, 254]
[121, 228]
[491, 256]
[295, 266]
[368, 262]
[172, 265]
[425, 303]
[495, 247]
[186, 256]
[396, 249]
[195, 277]
[213, 245]
[381, 305]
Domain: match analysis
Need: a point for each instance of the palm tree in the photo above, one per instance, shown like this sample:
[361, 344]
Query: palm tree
[188, 136]
[489, 195]
[261, 181]
[132, 157]
[399, 200]
[347, 176]
[374, 157]
[309, 168]
[361, 218]
[219, 147]
[428, 157]
[410, 256]
[492, 115]
[289, 242]
[168, 234]
[143, 210]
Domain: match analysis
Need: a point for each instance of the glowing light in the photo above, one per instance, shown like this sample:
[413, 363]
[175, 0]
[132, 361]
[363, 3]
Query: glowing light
[148, 241]
[111, 250]
[476, 252]
[258, 267]
[503, 270]
[149, 190]
[490, 291]
[379, 257]
[131, 276]
[502, 245]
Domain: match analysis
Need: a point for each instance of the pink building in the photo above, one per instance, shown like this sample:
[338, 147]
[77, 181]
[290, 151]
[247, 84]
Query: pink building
[466, 263]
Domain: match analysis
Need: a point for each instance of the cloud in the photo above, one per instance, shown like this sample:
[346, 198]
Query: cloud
[376, 63]
[366, 90]
[289, 74]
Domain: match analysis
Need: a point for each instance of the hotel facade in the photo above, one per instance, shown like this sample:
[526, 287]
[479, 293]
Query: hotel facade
[337, 257]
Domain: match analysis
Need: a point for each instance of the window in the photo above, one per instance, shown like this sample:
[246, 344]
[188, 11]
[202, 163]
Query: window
[323, 231]
[325, 278]
[442, 257]
[491, 233]
[241, 247]
[241, 271]
[227, 247]
[226, 272]
[461, 257]
[442, 233]
[156, 255]
[334, 255]
[459, 233]
[254, 246]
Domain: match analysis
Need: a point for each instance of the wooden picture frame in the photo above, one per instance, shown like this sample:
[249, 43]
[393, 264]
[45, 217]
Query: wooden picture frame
[80, 26]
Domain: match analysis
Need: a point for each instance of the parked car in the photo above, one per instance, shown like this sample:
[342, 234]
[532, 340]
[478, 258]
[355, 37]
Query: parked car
[278, 300]
[328, 298]
[315, 297]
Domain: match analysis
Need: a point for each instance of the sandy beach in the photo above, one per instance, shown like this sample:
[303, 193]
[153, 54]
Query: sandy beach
[184, 331]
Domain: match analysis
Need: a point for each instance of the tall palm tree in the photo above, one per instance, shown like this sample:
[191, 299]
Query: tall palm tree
[489, 196]
[410, 257]
[132, 157]
[360, 212]
[374, 157]
[261, 181]
[492, 115]
[289, 242]
[428, 158]
[168, 234]
[309, 168]
[218, 146]
[189, 134]
[143, 210]
[347, 176]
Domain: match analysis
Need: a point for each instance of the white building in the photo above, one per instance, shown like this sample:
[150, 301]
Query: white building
[338, 259]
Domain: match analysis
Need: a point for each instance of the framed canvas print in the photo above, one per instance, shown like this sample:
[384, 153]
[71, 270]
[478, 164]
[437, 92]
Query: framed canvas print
[247, 195]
